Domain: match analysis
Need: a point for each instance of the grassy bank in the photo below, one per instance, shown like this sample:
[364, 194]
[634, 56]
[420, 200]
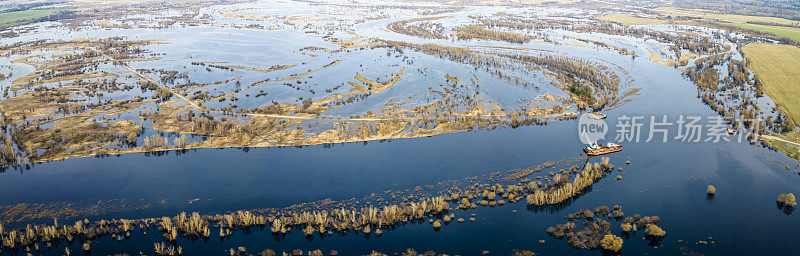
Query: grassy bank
[786, 32]
[778, 66]
[791, 150]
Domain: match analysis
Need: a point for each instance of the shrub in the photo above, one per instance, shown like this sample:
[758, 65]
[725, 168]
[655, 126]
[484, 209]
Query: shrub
[611, 242]
[627, 227]
[711, 190]
[787, 199]
[602, 210]
[132, 137]
[654, 230]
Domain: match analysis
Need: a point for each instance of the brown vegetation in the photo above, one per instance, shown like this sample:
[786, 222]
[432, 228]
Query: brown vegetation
[319, 221]
[478, 31]
[420, 27]
[611, 242]
[596, 232]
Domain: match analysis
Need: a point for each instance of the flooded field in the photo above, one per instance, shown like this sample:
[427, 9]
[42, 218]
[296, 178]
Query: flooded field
[370, 127]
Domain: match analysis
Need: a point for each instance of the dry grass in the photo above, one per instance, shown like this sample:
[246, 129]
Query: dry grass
[72, 134]
[377, 87]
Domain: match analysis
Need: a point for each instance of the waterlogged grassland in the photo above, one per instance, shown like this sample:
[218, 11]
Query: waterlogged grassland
[100, 96]
[283, 73]
[345, 83]
[57, 117]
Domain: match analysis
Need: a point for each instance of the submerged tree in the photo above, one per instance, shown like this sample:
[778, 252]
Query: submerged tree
[626, 227]
[611, 242]
[787, 199]
[711, 190]
[654, 230]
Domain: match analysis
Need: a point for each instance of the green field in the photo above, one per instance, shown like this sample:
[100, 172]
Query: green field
[745, 19]
[741, 21]
[787, 32]
[628, 20]
[21, 17]
[778, 66]
[723, 17]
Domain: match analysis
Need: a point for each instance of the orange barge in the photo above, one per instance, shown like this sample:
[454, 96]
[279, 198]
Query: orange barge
[596, 150]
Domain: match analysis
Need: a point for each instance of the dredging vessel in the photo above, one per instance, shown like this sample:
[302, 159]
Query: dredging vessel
[596, 150]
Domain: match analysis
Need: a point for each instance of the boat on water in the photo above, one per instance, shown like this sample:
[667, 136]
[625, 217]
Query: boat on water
[597, 116]
[596, 150]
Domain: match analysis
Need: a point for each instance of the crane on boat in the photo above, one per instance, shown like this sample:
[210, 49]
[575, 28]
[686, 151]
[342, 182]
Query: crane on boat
[595, 149]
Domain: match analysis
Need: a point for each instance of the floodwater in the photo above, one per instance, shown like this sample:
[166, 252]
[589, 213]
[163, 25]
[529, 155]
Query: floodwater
[664, 179]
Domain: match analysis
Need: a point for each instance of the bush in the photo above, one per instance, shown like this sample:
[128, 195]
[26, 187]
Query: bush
[654, 230]
[611, 242]
[627, 227]
[787, 199]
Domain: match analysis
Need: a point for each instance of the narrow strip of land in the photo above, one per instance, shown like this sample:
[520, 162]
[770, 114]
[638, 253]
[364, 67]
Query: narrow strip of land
[770, 137]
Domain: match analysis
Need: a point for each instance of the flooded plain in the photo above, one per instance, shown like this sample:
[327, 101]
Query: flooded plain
[235, 63]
